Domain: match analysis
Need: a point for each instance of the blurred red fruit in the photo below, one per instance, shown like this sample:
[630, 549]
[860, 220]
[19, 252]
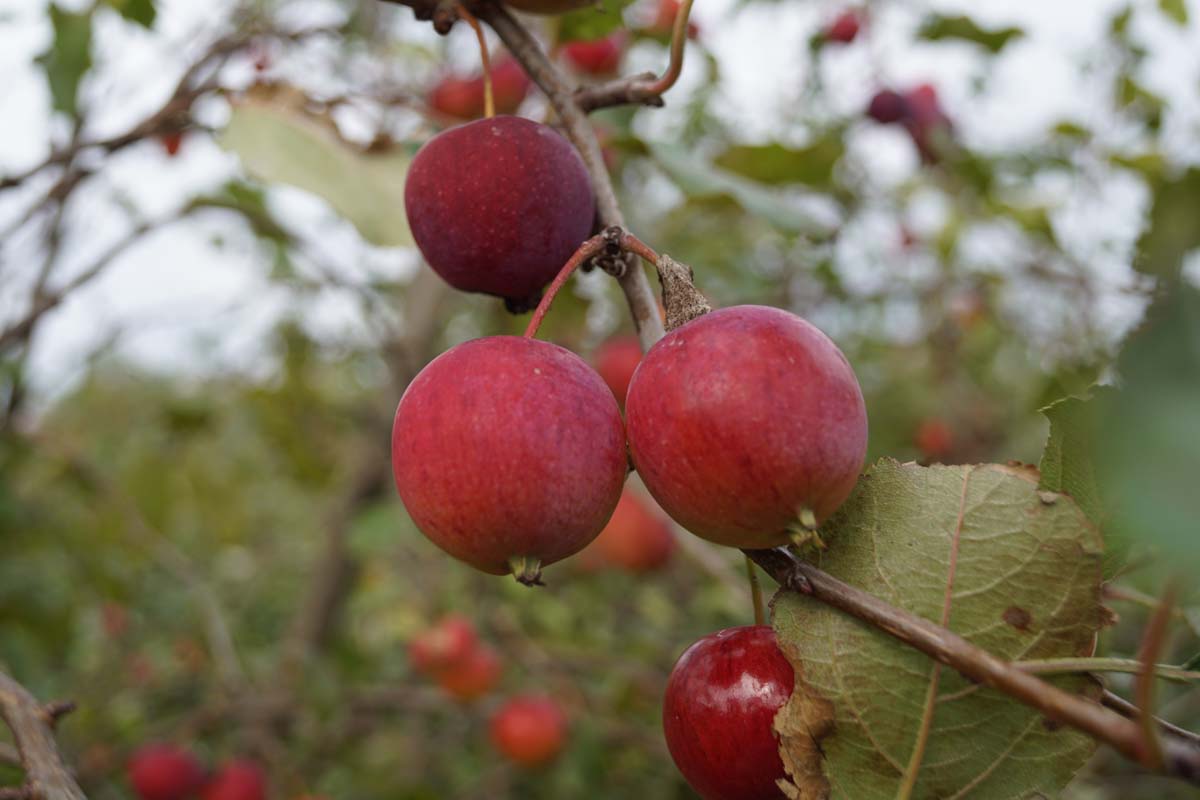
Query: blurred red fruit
[927, 122]
[510, 85]
[616, 360]
[164, 772]
[638, 538]
[236, 780]
[934, 438]
[529, 730]
[473, 677]
[844, 29]
[462, 98]
[664, 20]
[599, 57]
[171, 142]
[451, 641]
[887, 107]
[114, 618]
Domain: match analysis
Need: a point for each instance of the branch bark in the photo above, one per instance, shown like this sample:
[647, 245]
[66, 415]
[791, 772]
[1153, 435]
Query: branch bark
[32, 724]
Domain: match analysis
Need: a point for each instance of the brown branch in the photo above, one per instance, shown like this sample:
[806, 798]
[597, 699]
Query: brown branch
[524, 48]
[643, 89]
[1180, 760]
[1144, 687]
[32, 725]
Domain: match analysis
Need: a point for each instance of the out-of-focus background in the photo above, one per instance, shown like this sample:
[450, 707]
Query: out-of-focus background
[210, 305]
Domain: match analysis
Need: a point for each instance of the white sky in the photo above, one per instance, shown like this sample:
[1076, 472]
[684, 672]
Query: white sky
[182, 303]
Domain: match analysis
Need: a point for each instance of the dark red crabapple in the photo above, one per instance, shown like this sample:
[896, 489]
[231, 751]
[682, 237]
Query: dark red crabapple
[449, 642]
[927, 122]
[719, 712]
[236, 780]
[598, 57]
[844, 28]
[744, 422]
[472, 677]
[887, 106]
[637, 539]
[616, 360]
[509, 452]
[529, 730]
[164, 772]
[498, 206]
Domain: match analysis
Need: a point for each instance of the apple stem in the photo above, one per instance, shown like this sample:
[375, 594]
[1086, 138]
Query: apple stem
[609, 237]
[489, 102]
[527, 570]
[679, 35]
[760, 617]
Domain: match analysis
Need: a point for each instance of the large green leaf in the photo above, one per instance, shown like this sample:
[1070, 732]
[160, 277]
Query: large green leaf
[938, 27]
[1148, 433]
[779, 164]
[699, 178]
[280, 144]
[68, 58]
[1013, 568]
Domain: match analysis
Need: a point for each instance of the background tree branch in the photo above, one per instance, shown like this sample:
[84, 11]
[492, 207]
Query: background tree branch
[32, 725]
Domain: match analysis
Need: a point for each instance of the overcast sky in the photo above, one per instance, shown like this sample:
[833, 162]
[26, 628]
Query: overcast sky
[180, 302]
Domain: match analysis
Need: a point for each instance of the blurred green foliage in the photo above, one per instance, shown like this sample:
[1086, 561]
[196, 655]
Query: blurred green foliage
[141, 515]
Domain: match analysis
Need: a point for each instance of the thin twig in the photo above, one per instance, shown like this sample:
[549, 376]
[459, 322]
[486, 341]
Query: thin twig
[756, 597]
[1145, 687]
[645, 89]
[1128, 709]
[1062, 666]
[945, 646]
[520, 43]
[46, 776]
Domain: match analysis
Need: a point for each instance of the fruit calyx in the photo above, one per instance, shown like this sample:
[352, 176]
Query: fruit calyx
[527, 571]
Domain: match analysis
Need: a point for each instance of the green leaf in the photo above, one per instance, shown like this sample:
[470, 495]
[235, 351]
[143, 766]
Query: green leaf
[1176, 10]
[279, 144]
[1071, 130]
[68, 58]
[593, 22]
[142, 12]
[698, 178]
[1067, 465]
[938, 28]
[1148, 443]
[1172, 231]
[1013, 568]
[778, 164]
[1134, 97]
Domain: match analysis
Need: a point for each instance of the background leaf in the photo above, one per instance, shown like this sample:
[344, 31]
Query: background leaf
[939, 28]
[592, 22]
[278, 143]
[1027, 585]
[1176, 10]
[68, 58]
[812, 164]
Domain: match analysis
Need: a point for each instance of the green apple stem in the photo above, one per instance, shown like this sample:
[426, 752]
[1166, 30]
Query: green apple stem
[527, 570]
[756, 595]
